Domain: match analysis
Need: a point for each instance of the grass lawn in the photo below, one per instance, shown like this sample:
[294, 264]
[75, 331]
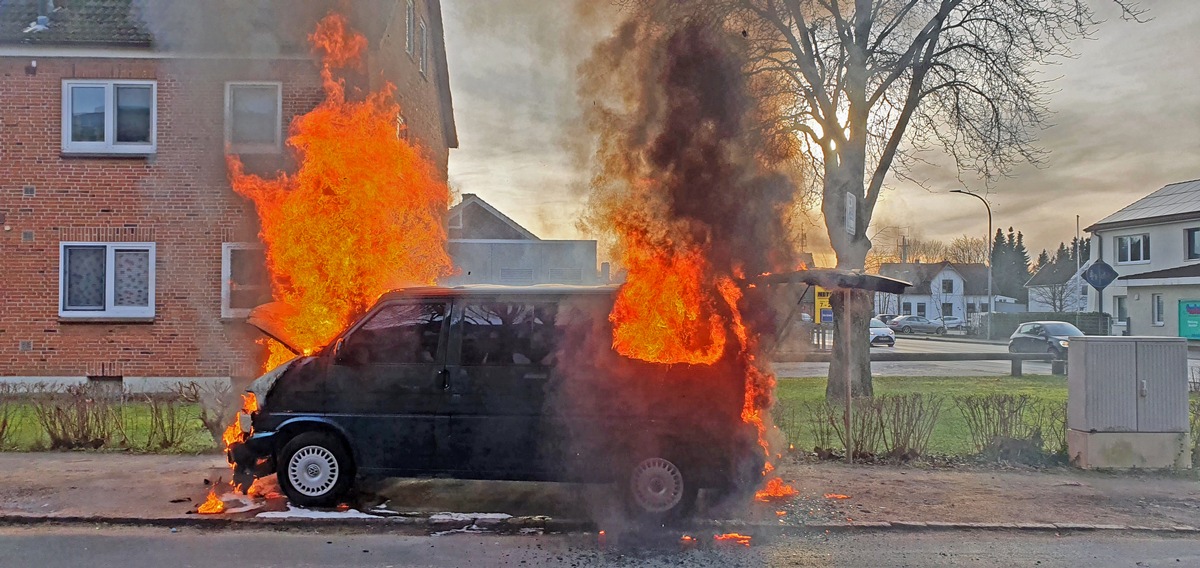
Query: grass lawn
[25, 433]
[950, 434]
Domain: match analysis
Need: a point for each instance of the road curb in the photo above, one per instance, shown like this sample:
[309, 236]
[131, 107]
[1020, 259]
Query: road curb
[428, 524]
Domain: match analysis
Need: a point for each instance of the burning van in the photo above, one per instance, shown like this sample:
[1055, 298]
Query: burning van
[507, 383]
[497, 383]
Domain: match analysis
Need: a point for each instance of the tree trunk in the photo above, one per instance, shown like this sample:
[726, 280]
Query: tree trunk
[853, 356]
[851, 343]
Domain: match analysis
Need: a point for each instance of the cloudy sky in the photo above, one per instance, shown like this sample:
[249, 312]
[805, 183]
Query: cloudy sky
[1126, 122]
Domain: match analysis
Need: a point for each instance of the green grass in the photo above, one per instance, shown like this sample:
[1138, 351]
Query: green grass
[950, 433]
[26, 433]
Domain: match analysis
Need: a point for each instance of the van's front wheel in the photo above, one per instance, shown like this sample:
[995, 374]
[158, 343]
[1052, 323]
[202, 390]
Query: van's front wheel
[657, 490]
[314, 469]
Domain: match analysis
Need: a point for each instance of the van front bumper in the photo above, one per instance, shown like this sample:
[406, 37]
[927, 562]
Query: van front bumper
[252, 458]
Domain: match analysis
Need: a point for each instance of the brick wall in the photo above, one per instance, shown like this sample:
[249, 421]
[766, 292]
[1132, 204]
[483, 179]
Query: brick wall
[178, 198]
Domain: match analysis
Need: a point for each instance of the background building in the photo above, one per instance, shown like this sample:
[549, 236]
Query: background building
[125, 252]
[1154, 245]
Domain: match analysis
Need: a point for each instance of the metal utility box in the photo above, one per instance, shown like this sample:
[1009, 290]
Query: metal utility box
[1127, 402]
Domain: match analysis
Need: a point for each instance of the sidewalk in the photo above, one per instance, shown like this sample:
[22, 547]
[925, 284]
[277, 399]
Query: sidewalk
[151, 489]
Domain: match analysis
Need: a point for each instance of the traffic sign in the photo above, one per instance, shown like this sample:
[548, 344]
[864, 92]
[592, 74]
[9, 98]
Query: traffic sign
[1100, 275]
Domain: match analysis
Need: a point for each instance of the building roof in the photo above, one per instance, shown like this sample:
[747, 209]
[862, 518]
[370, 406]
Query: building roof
[1186, 271]
[1053, 274]
[1174, 201]
[921, 275]
[469, 200]
[74, 22]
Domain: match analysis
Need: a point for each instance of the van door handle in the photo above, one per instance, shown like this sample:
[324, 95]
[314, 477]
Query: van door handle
[445, 374]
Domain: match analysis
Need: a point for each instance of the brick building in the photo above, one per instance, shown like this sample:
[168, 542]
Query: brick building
[123, 249]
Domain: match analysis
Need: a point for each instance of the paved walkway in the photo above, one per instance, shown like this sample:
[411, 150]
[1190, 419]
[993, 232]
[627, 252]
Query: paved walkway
[152, 489]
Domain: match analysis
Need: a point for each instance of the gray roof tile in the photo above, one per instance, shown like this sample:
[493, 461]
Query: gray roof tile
[74, 22]
[1180, 198]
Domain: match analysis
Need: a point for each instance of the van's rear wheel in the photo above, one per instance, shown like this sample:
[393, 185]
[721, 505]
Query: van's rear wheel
[657, 490]
[315, 469]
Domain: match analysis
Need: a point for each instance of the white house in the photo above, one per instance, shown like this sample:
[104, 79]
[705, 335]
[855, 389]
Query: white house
[1154, 245]
[1058, 288]
[939, 290]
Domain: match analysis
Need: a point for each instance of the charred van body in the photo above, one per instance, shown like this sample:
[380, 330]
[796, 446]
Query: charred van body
[498, 383]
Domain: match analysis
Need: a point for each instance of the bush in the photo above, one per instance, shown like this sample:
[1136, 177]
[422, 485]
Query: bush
[8, 412]
[891, 426]
[908, 421]
[1194, 420]
[1015, 428]
[218, 406]
[78, 416]
[168, 424]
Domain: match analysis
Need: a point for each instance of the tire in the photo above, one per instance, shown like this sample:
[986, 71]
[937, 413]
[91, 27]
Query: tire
[940, 331]
[658, 491]
[315, 469]
[1012, 349]
[906, 329]
[1056, 352]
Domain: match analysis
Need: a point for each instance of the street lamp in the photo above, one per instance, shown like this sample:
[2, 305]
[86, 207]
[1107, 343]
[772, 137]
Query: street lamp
[991, 302]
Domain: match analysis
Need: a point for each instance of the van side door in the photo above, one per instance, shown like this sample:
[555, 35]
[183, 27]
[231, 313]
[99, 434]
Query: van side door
[500, 365]
[389, 385]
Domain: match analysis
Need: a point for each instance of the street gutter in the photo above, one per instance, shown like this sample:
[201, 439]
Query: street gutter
[423, 525]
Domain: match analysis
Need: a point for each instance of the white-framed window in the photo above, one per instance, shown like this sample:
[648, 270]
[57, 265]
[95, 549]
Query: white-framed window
[254, 117]
[906, 309]
[1192, 240]
[106, 280]
[1133, 249]
[410, 23]
[1119, 311]
[921, 309]
[1156, 309]
[109, 117]
[245, 283]
[947, 286]
[423, 48]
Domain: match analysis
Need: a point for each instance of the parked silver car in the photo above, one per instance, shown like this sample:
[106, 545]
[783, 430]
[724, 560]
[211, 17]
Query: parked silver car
[952, 322]
[914, 324]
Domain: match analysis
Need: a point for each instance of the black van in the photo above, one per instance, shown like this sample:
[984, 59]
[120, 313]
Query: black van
[498, 383]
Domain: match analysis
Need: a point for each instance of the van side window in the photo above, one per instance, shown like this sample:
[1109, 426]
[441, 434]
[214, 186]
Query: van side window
[508, 333]
[399, 334]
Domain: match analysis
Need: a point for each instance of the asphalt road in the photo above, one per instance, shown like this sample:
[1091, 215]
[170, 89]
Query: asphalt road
[106, 547]
[924, 344]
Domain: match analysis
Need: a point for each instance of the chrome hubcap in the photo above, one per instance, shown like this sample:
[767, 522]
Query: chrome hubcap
[313, 470]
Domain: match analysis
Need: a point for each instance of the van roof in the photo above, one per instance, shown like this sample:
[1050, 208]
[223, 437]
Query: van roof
[486, 289]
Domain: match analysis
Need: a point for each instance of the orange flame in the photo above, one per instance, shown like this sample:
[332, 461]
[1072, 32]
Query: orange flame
[212, 505]
[362, 214]
[775, 490]
[836, 496]
[734, 538]
[663, 314]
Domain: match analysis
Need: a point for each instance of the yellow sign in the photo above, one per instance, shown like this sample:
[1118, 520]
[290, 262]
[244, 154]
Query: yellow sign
[822, 299]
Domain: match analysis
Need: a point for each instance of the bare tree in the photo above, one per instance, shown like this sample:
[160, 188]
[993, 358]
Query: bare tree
[967, 250]
[874, 83]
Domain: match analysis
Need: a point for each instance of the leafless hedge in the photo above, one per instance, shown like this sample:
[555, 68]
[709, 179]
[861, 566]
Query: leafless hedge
[1014, 427]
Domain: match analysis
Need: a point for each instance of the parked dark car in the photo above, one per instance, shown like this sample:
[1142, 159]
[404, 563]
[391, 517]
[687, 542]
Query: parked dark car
[1043, 337]
[913, 324]
[497, 383]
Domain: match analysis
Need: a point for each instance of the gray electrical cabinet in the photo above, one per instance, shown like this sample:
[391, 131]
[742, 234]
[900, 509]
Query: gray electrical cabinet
[1127, 402]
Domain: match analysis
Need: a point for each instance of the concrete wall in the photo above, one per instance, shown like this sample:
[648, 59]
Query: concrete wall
[508, 262]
